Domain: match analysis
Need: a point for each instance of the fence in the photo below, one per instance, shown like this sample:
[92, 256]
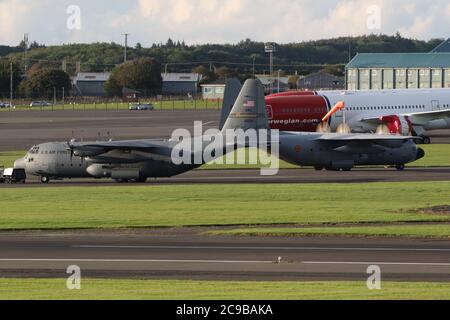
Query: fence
[114, 105]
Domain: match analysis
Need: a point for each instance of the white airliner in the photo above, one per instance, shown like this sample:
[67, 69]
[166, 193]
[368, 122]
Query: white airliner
[400, 111]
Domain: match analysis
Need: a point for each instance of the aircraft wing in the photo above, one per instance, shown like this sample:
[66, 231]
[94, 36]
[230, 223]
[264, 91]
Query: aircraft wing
[417, 118]
[87, 149]
[363, 143]
[422, 118]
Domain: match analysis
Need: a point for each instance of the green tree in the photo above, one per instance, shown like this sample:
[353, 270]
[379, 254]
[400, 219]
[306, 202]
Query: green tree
[293, 82]
[43, 81]
[226, 73]
[207, 75]
[143, 74]
[5, 77]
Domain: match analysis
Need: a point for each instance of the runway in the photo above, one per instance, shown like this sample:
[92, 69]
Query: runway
[22, 129]
[287, 176]
[183, 254]
[19, 130]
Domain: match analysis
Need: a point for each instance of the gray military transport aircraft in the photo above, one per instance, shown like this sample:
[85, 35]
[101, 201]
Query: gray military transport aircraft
[138, 160]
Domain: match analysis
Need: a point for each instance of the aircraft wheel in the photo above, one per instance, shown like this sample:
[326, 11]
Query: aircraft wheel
[426, 140]
[317, 168]
[45, 179]
[141, 180]
[347, 169]
[400, 167]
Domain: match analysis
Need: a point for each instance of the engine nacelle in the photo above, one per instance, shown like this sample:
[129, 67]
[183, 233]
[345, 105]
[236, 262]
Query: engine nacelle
[398, 124]
[116, 173]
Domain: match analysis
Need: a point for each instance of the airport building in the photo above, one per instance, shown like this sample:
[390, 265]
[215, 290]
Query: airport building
[377, 71]
[320, 81]
[180, 83]
[213, 91]
[91, 84]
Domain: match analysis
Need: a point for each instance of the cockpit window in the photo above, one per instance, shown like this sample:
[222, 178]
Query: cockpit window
[34, 150]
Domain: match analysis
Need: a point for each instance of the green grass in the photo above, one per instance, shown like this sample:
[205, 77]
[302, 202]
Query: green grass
[441, 231]
[55, 289]
[159, 105]
[7, 158]
[437, 155]
[206, 205]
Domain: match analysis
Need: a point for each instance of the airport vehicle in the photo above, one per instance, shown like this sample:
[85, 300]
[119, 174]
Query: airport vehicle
[138, 160]
[407, 112]
[40, 104]
[141, 107]
[13, 175]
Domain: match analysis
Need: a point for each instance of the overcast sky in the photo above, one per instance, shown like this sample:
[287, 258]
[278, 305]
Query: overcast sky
[217, 21]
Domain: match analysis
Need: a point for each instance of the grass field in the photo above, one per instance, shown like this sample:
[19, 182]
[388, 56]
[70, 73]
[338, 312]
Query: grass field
[437, 155]
[207, 205]
[55, 289]
[159, 105]
[440, 231]
[7, 158]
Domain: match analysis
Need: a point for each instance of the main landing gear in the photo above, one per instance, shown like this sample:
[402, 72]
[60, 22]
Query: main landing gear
[45, 179]
[423, 140]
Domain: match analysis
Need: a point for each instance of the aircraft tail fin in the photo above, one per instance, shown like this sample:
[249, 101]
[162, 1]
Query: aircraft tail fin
[249, 110]
[232, 90]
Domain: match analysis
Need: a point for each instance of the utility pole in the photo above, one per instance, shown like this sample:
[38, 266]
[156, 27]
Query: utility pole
[25, 49]
[350, 50]
[279, 71]
[63, 95]
[11, 85]
[54, 96]
[254, 58]
[270, 49]
[126, 47]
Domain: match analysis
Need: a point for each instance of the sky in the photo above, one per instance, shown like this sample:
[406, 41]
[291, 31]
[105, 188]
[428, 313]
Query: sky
[54, 22]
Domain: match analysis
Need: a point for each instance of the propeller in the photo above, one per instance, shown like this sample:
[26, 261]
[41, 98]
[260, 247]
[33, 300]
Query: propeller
[344, 129]
[338, 107]
[323, 127]
[71, 148]
[383, 130]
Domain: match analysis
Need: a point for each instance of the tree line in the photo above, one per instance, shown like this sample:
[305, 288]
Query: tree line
[214, 61]
[303, 57]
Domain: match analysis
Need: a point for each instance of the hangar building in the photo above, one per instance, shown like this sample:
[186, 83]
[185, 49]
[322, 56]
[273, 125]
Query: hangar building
[377, 71]
[180, 83]
[91, 84]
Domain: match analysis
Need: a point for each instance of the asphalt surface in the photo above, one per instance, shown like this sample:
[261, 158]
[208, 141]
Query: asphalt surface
[288, 176]
[19, 130]
[182, 254]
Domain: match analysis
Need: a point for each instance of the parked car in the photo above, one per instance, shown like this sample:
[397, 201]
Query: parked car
[5, 105]
[40, 104]
[141, 106]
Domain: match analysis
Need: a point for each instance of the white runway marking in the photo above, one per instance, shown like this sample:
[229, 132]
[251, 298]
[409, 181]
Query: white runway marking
[430, 264]
[136, 261]
[262, 248]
